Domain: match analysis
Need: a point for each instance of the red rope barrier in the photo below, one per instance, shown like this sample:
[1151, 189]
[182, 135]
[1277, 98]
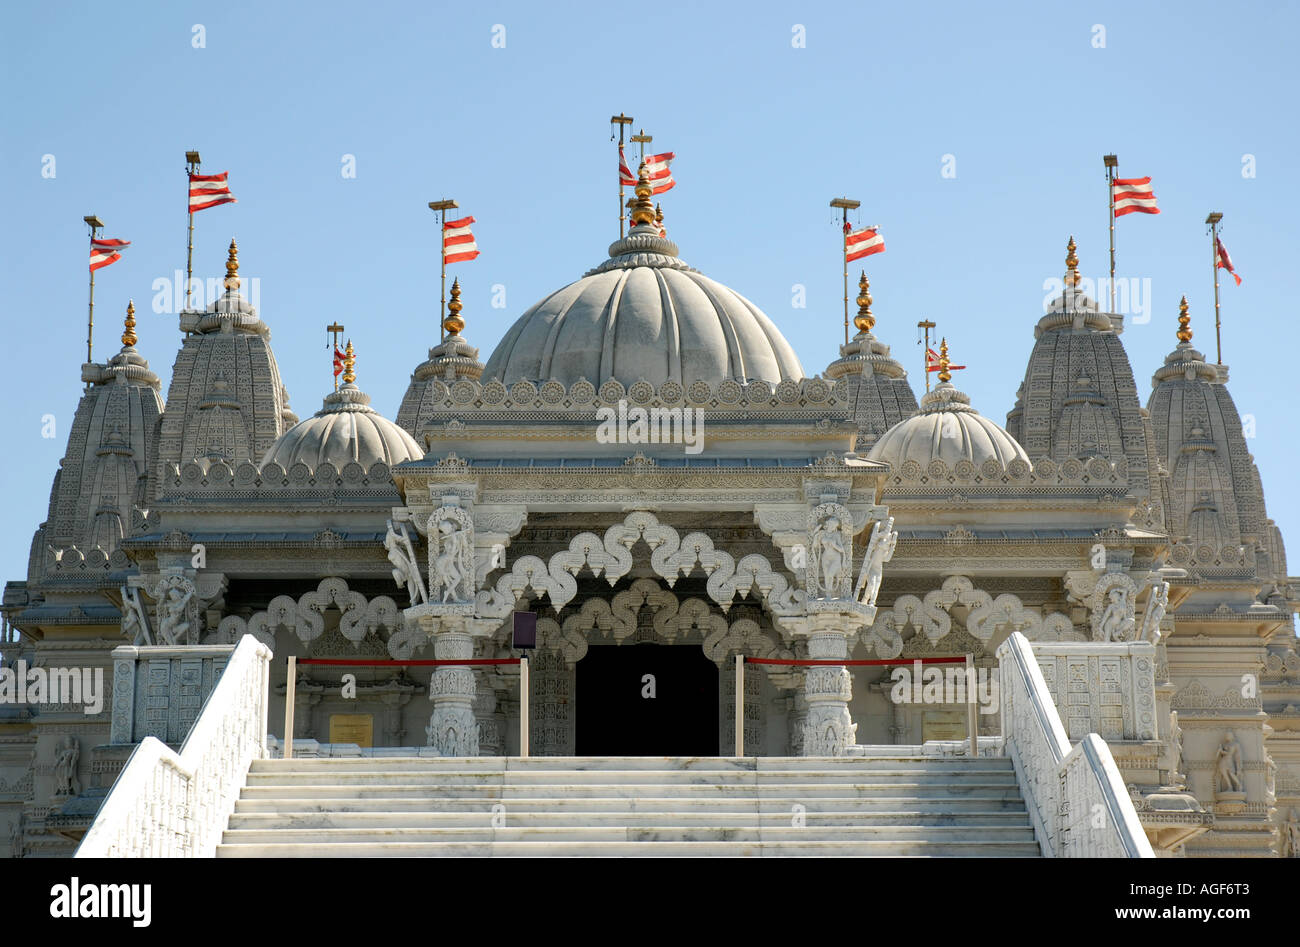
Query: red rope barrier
[383, 663]
[845, 663]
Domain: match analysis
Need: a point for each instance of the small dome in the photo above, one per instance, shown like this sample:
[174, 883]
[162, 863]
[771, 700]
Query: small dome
[946, 428]
[644, 314]
[344, 431]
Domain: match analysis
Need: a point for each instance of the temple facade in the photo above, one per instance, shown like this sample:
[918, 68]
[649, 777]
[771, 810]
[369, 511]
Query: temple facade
[643, 463]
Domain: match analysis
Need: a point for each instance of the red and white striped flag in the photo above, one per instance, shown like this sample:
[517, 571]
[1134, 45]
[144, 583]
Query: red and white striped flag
[625, 175]
[338, 362]
[931, 360]
[661, 177]
[104, 252]
[209, 190]
[864, 242]
[457, 241]
[1222, 261]
[1133, 196]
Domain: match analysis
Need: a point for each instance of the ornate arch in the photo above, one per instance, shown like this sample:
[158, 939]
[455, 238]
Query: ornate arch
[306, 617]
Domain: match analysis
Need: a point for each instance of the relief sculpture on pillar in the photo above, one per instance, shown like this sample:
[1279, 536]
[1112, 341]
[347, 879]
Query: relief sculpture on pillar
[451, 555]
[830, 551]
[880, 549]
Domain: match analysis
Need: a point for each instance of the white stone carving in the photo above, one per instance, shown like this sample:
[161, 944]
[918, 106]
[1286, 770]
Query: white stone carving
[135, 621]
[830, 551]
[880, 549]
[177, 610]
[1228, 765]
[1157, 604]
[451, 555]
[406, 570]
[1111, 601]
[65, 767]
[334, 592]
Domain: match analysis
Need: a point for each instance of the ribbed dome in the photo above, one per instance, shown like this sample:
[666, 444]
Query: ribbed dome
[946, 428]
[644, 314]
[347, 429]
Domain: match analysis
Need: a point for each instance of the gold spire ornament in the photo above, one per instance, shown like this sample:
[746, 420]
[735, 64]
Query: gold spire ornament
[232, 266]
[1072, 264]
[454, 323]
[864, 320]
[944, 374]
[659, 218]
[643, 209]
[128, 336]
[1184, 322]
[349, 364]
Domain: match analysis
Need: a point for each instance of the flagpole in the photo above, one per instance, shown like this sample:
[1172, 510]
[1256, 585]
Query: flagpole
[927, 325]
[95, 225]
[440, 209]
[1213, 221]
[1112, 163]
[336, 329]
[192, 161]
[622, 121]
[845, 205]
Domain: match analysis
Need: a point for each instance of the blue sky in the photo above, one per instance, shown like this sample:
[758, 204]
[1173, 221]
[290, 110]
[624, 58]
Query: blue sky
[766, 134]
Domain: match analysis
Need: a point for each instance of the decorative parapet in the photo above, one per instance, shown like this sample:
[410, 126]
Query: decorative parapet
[167, 804]
[1107, 688]
[992, 475]
[246, 481]
[1076, 797]
[158, 690]
[579, 401]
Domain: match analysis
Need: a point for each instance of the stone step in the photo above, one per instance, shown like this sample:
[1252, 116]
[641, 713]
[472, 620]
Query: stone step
[1002, 801]
[304, 819]
[949, 848]
[581, 764]
[795, 792]
[675, 779]
[595, 833]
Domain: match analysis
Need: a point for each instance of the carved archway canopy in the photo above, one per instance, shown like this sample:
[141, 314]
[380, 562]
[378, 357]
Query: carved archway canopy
[305, 618]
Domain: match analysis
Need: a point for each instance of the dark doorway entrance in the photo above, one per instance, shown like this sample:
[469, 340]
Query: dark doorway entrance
[615, 719]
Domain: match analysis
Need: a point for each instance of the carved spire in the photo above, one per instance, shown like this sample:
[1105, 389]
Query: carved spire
[643, 209]
[1071, 264]
[864, 320]
[349, 364]
[128, 335]
[454, 323]
[1184, 322]
[232, 266]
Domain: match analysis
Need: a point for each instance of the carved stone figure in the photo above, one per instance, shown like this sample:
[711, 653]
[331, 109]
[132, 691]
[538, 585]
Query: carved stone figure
[17, 848]
[134, 623]
[1157, 603]
[1291, 837]
[173, 626]
[1113, 624]
[65, 768]
[830, 552]
[1229, 764]
[406, 571]
[880, 549]
[451, 555]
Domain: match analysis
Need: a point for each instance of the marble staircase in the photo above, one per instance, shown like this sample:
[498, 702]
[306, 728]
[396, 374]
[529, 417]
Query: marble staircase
[627, 806]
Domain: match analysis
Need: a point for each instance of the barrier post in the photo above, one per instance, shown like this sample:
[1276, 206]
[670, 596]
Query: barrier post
[289, 699]
[972, 709]
[523, 705]
[740, 705]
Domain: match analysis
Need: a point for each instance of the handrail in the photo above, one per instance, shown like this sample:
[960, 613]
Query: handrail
[1077, 801]
[168, 804]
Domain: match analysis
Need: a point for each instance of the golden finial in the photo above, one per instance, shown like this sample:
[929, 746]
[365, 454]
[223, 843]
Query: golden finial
[128, 336]
[349, 364]
[454, 323]
[659, 218]
[1072, 264]
[232, 266]
[944, 374]
[643, 210]
[1184, 322]
[864, 320]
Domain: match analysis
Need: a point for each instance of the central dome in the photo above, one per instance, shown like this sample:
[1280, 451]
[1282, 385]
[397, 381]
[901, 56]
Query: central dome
[946, 428]
[644, 313]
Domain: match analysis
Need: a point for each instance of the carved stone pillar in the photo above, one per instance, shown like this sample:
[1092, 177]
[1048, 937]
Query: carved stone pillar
[485, 712]
[797, 720]
[453, 728]
[830, 628]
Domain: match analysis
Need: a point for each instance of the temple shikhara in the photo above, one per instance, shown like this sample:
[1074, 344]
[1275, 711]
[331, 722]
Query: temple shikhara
[642, 472]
